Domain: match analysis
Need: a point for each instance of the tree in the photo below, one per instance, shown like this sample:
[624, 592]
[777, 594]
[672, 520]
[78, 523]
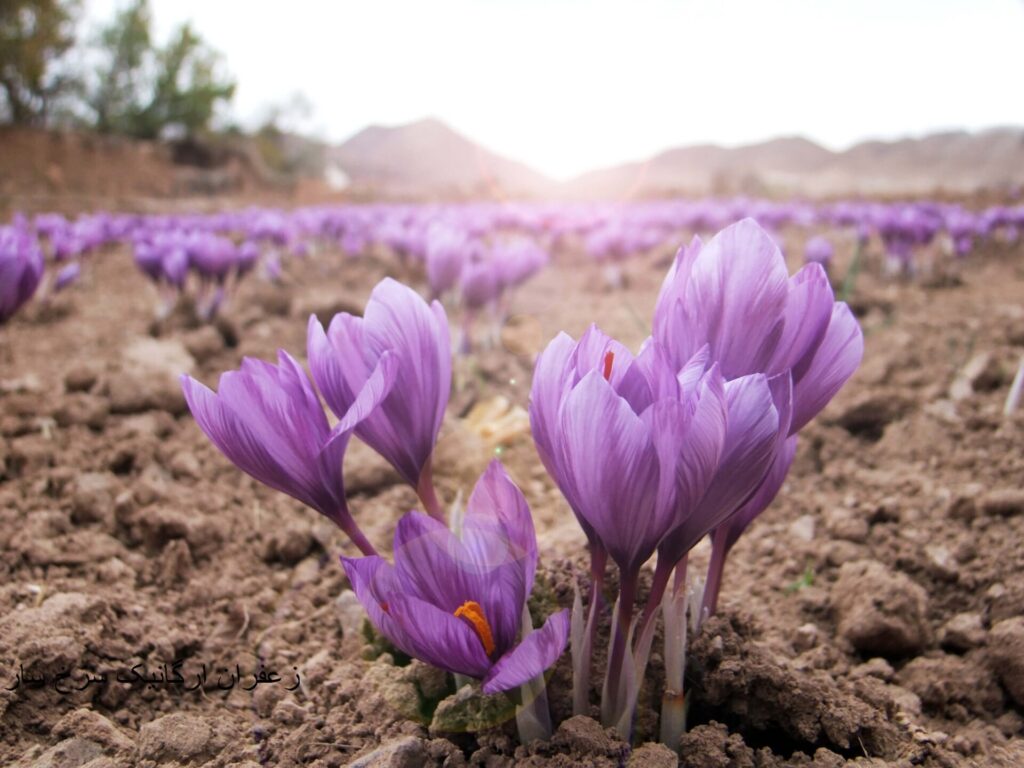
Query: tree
[34, 35]
[144, 91]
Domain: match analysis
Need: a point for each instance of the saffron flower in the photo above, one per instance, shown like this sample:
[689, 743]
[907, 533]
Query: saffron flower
[404, 428]
[633, 445]
[21, 269]
[268, 421]
[818, 250]
[459, 604]
[735, 296]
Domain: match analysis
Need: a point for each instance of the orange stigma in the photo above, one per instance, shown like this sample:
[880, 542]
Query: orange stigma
[609, 358]
[474, 614]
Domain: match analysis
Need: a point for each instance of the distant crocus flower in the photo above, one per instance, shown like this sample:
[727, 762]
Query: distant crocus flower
[819, 250]
[21, 269]
[445, 252]
[268, 421]
[404, 428]
[67, 275]
[479, 284]
[458, 604]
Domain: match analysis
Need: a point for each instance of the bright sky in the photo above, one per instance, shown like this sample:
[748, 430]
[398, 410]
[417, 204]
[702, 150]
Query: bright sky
[573, 85]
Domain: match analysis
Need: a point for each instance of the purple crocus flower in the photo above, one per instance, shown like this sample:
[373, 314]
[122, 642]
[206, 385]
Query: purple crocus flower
[614, 430]
[632, 446]
[458, 604]
[404, 429]
[818, 250]
[21, 269]
[268, 421]
[735, 295]
[67, 275]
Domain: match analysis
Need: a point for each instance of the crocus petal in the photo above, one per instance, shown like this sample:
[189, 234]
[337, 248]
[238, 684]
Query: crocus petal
[549, 384]
[498, 535]
[336, 360]
[764, 495]
[248, 449]
[834, 361]
[375, 582]
[397, 318]
[611, 469]
[438, 637]
[732, 296]
[432, 564]
[531, 657]
[704, 443]
[748, 450]
[808, 309]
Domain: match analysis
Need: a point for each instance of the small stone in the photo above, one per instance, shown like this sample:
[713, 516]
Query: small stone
[79, 409]
[92, 497]
[880, 612]
[847, 524]
[291, 543]
[178, 737]
[806, 637]
[204, 343]
[1006, 655]
[941, 564]
[962, 632]
[80, 378]
[876, 667]
[431, 682]
[406, 752]
[1005, 502]
[982, 373]
[802, 529]
[184, 464]
[869, 415]
[468, 710]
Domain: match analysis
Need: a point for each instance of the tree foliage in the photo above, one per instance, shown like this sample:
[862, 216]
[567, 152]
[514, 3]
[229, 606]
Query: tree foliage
[34, 35]
[143, 90]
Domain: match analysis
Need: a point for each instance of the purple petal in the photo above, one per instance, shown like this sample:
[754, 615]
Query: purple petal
[498, 535]
[550, 382]
[531, 657]
[611, 467]
[432, 564]
[750, 439]
[438, 637]
[280, 462]
[764, 495]
[834, 361]
[704, 443]
[375, 583]
[733, 298]
[808, 310]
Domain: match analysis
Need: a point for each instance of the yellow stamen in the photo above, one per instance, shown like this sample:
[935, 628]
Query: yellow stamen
[474, 614]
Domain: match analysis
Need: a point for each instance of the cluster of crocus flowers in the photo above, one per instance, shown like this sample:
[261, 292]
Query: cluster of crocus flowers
[216, 263]
[692, 436]
[456, 603]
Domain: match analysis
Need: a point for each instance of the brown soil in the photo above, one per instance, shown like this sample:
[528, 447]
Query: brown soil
[872, 616]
